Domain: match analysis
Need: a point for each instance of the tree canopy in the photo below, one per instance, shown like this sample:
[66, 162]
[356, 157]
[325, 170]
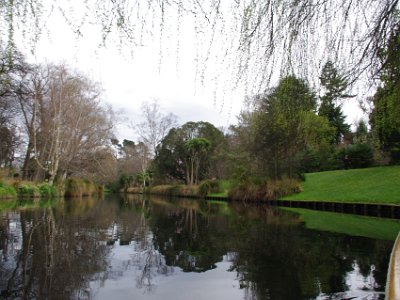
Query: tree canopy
[187, 152]
[385, 116]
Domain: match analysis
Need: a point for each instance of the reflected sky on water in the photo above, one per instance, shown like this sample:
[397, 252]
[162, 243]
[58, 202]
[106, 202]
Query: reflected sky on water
[135, 248]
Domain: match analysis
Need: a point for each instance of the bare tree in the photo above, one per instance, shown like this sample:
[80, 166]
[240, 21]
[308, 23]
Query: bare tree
[64, 120]
[12, 71]
[154, 126]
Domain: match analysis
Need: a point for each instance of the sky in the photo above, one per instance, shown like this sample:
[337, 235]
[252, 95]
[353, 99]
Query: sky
[129, 78]
[170, 73]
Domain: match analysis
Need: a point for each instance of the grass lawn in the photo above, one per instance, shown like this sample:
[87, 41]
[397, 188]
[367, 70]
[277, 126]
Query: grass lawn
[371, 185]
[378, 228]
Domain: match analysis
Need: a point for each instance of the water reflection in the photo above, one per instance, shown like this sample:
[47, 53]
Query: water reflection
[156, 249]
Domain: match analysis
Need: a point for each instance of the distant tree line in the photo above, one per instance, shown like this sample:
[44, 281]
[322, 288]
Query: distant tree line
[289, 130]
[53, 124]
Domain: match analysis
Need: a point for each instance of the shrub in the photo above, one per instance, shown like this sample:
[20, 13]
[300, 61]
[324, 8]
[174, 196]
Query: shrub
[133, 190]
[268, 190]
[360, 155]
[47, 191]
[208, 186]
[28, 190]
[76, 187]
[174, 190]
[187, 190]
[162, 190]
[7, 191]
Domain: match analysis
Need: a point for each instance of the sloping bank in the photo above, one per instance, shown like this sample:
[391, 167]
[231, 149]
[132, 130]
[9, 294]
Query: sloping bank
[380, 185]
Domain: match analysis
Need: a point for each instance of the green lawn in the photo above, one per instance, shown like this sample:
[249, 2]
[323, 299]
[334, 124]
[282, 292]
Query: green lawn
[372, 185]
[378, 228]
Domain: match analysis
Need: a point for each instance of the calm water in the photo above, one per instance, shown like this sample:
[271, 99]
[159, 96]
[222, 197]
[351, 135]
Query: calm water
[157, 249]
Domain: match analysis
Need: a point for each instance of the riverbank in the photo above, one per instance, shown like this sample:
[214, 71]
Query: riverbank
[72, 187]
[380, 185]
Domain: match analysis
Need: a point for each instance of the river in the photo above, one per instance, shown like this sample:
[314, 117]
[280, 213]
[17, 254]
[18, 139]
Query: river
[153, 248]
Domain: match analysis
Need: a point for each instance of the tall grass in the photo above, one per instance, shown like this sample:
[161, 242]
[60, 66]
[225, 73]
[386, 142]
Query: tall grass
[28, 190]
[174, 190]
[264, 191]
[7, 191]
[47, 191]
[76, 187]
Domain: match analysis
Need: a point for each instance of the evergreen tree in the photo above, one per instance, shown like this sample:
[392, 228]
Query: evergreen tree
[330, 106]
[385, 117]
[279, 125]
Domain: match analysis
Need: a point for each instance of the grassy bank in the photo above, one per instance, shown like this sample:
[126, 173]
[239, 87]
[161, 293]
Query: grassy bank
[25, 189]
[72, 187]
[380, 185]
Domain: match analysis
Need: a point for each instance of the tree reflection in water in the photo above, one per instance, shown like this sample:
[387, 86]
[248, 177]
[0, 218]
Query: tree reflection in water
[78, 248]
[46, 255]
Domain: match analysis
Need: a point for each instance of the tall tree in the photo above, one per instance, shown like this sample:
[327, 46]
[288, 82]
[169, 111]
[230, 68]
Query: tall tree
[192, 144]
[64, 120]
[197, 149]
[385, 116]
[13, 70]
[279, 123]
[336, 87]
[154, 125]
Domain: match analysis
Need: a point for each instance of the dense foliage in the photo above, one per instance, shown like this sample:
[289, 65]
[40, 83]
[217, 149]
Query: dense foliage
[385, 117]
[53, 123]
[189, 153]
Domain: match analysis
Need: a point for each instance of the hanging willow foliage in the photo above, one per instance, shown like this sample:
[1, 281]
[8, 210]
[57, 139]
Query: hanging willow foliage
[255, 40]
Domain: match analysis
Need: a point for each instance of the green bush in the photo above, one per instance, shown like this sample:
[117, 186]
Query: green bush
[7, 191]
[358, 156]
[28, 190]
[208, 186]
[47, 191]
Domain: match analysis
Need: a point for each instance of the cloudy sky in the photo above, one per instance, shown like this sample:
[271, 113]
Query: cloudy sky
[148, 72]
[164, 67]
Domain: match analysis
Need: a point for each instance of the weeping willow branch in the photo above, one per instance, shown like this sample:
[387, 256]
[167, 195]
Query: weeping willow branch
[252, 41]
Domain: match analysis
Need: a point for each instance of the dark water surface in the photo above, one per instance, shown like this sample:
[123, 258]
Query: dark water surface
[183, 249]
